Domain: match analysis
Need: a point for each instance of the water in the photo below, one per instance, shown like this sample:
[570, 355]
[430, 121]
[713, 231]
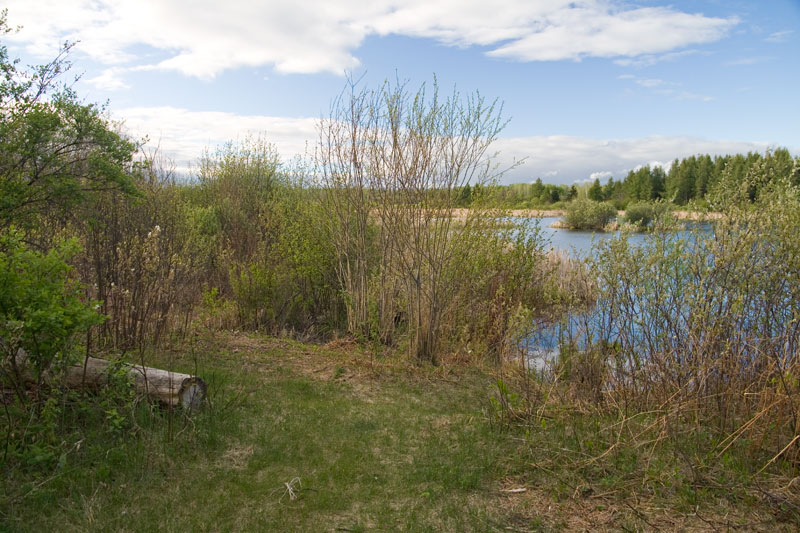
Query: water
[542, 347]
[579, 243]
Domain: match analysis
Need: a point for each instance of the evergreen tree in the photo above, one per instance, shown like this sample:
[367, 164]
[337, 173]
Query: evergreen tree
[465, 196]
[595, 191]
[537, 189]
[658, 180]
[573, 193]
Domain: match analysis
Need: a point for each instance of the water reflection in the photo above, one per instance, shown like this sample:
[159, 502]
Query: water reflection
[578, 243]
[542, 346]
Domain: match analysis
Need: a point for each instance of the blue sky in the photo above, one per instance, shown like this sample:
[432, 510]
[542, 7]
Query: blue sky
[592, 88]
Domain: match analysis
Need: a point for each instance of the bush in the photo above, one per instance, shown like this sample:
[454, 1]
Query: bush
[645, 214]
[41, 307]
[640, 214]
[709, 314]
[588, 214]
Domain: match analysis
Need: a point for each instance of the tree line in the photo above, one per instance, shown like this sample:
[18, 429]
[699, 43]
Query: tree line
[689, 179]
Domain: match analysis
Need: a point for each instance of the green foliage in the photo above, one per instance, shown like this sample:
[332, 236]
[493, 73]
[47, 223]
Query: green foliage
[528, 195]
[254, 293]
[500, 280]
[146, 257]
[416, 457]
[689, 179]
[260, 217]
[640, 214]
[595, 192]
[41, 307]
[55, 149]
[587, 214]
[710, 315]
[647, 214]
[465, 196]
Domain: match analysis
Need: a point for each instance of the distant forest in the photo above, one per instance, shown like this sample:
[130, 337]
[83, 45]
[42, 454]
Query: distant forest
[688, 179]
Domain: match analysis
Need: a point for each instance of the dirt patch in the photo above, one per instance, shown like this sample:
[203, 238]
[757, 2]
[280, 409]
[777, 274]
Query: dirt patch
[537, 213]
[696, 215]
[526, 508]
[236, 457]
[462, 213]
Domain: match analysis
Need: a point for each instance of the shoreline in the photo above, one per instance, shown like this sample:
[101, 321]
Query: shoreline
[461, 213]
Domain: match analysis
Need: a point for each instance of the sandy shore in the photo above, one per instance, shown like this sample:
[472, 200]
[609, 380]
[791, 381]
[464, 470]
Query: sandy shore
[461, 214]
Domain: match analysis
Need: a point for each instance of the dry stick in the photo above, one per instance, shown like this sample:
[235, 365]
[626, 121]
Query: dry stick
[642, 516]
[8, 434]
[735, 435]
[779, 454]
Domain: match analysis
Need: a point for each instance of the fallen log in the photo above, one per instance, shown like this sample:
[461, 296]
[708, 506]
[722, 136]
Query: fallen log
[170, 388]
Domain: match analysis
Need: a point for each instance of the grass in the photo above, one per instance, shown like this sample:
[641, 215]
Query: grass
[332, 438]
[293, 442]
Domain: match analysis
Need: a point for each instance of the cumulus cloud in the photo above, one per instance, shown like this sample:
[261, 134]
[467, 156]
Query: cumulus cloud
[601, 175]
[576, 158]
[202, 38]
[109, 80]
[183, 135]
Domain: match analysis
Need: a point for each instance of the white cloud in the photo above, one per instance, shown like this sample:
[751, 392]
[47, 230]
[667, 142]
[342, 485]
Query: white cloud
[779, 36]
[183, 135]
[601, 175]
[109, 80]
[649, 82]
[597, 29]
[575, 158]
[648, 60]
[202, 38]
[666, 88]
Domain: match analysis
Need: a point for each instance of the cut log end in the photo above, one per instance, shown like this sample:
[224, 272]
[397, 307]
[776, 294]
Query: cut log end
[192, 394]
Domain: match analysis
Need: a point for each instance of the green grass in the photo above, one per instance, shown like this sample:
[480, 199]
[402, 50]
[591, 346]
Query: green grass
[311, 438]
[377, 453]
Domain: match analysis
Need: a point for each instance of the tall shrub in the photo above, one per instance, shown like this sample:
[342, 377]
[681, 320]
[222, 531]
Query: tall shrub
[394, 164]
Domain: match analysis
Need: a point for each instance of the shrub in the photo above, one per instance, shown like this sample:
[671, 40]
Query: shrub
[709, 315]
[640, 214]
[41, 307]
[588, 214]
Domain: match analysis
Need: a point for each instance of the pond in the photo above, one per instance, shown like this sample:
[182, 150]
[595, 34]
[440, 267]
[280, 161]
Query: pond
[579, 243]
[542, 346]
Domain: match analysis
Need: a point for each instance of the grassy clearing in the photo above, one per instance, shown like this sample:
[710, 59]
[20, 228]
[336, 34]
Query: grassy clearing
[333, 438]
[299, 438]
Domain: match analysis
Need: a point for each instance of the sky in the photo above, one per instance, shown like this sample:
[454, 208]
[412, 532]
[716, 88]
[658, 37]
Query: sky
[591, 88]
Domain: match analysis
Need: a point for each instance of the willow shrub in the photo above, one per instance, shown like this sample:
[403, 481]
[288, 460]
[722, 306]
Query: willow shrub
[261, 223]
[144, 260]
[704, 328]
[586, 214]
[504, 283]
